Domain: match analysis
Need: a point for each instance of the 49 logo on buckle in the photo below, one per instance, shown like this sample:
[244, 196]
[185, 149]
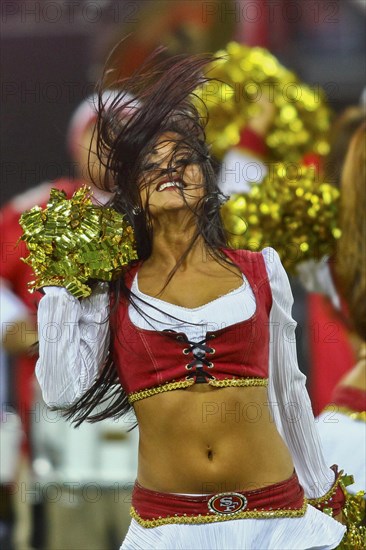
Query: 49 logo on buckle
[227, 503]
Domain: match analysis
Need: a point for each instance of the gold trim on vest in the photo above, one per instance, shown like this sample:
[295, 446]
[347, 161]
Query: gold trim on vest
[226, 383]
[142, 394]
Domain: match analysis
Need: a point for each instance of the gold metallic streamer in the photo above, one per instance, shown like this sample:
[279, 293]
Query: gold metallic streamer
[353, 517]
[353, 513]
[241, 76]
[298, 216]
[72, 242]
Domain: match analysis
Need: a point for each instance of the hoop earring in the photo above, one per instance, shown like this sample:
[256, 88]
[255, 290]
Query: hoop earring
[136, 210]
[217, 196]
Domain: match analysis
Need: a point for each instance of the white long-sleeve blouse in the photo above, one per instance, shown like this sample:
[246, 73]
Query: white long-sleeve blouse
[74, 341]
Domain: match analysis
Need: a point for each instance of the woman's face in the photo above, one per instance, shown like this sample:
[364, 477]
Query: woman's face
[172, 179]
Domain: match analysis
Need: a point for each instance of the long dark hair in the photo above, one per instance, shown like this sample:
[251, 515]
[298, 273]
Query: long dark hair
[155, 101]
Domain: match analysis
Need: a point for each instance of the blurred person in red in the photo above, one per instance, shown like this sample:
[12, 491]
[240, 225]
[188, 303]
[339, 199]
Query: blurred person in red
[333, 347]
[342, 424]
[15, 274]
[14, 316]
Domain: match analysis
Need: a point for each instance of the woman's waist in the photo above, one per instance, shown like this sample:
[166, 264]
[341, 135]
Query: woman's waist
[284, 498]
[202, 414]
[211, 480]
[213, 462]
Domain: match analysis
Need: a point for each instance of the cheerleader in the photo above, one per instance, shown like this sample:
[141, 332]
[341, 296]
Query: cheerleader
[199, 340]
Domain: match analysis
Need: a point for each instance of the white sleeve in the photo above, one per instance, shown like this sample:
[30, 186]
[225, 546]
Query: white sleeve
[73, 343]
[289, 401]
[239, 169]
[316, 276]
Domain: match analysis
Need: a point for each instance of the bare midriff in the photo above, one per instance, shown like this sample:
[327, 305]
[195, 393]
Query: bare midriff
[209, 440]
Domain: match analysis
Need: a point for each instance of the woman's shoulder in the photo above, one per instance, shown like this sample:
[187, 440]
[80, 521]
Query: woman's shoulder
[130, 271]
[268, 255]
[264, 265]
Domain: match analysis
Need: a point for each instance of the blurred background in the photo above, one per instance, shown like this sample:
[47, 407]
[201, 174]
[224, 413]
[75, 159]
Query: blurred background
[52, 55]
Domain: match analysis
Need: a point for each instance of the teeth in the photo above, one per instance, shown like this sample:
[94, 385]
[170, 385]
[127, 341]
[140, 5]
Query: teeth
[169, 184]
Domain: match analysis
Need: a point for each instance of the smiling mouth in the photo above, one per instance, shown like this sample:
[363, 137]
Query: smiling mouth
[170, 184]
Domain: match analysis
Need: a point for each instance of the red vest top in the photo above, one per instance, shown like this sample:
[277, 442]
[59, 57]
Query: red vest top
[149, 362]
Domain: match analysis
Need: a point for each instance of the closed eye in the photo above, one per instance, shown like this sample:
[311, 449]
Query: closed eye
[151, 166]
[186, 161]
[183, 162]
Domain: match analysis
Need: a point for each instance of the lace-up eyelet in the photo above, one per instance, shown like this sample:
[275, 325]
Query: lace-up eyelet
[188, 367]
[186, 351]
[212, 335]
[212, 351]
[179, 338]
[210, 365]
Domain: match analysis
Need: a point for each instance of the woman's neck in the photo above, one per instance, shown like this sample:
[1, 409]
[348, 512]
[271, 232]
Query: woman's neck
[167, 252]
[171, 242]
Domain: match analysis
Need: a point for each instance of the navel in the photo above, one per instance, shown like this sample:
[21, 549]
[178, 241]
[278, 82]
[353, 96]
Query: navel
[209, 453]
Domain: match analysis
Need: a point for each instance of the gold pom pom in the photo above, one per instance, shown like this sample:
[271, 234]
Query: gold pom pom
[296, 216]
[238, 79]
[72, 242]
[353, 517]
